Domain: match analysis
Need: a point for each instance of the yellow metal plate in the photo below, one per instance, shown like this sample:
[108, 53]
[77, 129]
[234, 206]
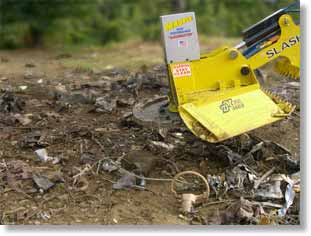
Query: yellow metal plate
[219, 120]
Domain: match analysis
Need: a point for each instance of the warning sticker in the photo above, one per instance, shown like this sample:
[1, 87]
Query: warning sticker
[181, 70]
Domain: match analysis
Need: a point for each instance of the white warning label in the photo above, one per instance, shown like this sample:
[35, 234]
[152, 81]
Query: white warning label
[181, 70]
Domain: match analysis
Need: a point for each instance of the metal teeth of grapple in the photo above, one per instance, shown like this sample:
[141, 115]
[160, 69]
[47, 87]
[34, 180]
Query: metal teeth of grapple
[285, 105]
[284, 68]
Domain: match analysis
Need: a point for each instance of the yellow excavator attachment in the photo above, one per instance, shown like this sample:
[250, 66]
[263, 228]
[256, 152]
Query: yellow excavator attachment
[219, 97]
[231, 105]
[232, 115]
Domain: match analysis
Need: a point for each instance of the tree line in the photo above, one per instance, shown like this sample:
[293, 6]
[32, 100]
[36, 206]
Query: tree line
[32, 23]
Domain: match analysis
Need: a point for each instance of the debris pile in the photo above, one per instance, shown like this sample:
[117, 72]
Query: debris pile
[78, 147]
[247, 191]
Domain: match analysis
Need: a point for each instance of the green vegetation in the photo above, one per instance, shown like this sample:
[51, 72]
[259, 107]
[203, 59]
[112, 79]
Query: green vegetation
[31, 23]
[131, 54]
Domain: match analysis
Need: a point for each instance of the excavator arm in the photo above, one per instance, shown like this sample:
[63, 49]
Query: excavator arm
[275, 38]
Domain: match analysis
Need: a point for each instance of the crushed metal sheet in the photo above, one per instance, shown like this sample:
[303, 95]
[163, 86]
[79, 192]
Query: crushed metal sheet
[271, 189]
[42, 182]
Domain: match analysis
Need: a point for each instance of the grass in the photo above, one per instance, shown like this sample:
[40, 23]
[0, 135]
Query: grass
[130, 54]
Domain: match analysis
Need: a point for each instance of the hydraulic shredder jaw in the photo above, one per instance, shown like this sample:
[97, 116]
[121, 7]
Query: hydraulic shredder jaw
[217, 95]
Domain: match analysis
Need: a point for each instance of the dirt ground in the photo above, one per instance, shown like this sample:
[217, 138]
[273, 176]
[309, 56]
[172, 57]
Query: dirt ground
[78, 136]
